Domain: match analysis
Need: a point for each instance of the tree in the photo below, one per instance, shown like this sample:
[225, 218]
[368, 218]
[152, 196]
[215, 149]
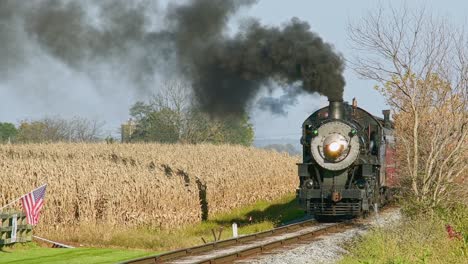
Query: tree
[171, 116]
[231, 129]
[200, 128]
[57, 129]
[162, 118]
[157, 126]
[8, 132]
[84, 130]
[238, 130]
[32, 132]
[421, 64]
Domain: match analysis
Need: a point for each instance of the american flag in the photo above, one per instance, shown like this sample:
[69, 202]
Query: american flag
[32, 204]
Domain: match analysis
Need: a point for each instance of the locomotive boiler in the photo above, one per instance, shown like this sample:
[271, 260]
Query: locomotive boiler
[348, 166]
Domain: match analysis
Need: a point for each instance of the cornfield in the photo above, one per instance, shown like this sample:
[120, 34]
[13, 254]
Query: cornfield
[155, 185]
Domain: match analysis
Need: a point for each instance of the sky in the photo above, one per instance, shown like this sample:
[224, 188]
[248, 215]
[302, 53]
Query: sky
[69, 93]
[330, 20]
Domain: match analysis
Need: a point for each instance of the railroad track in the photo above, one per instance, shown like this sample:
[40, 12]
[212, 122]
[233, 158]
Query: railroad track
[227, 251]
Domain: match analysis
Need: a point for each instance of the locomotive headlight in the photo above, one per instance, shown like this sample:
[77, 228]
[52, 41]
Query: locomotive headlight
[333, 146]
[334, 150]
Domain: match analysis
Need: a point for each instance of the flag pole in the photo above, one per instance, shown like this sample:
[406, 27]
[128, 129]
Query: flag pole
[53, 242]
[19, 198]
[11, 203]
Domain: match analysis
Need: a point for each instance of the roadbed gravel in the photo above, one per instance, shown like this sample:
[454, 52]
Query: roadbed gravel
[328, 248]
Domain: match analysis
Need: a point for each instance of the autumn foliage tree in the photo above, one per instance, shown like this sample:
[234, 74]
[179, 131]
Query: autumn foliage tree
[442, 141]
[421, 65]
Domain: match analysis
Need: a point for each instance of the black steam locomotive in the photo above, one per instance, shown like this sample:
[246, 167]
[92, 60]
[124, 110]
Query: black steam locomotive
[348, 163]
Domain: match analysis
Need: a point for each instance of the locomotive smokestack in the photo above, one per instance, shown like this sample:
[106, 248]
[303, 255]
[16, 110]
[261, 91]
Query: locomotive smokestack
[336, 110]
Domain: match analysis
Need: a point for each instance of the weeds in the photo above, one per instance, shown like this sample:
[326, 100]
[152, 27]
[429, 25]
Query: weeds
[266, 215]
[418, 238]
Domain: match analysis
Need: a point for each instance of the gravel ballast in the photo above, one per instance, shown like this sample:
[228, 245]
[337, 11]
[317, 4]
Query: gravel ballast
[328, 248]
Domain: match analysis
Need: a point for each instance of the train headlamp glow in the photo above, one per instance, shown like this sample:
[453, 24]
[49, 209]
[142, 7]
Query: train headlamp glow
[333, 146]
[333, 150]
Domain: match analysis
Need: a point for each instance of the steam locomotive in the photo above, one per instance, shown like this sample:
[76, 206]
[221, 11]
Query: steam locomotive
[348, 165]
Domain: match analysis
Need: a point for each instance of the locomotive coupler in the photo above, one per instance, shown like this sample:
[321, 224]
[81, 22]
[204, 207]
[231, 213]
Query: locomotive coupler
[336, 196]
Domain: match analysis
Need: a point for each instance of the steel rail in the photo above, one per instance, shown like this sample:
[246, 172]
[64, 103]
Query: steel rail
[244, 240]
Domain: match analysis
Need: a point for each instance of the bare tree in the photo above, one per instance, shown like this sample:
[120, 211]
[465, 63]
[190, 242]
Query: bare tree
[84, 130]
[56, 129]
[176, 96]
[200, 128]
[173, 94]
[420, 63]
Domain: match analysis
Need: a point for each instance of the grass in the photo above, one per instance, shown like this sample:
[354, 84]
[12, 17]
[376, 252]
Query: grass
[265, 215]
[420, 238]
[131, 243]
[31, 253]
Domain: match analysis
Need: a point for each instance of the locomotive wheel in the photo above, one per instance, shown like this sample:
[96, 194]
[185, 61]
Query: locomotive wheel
[370, 204]
[389, 195]
[365, 214]
[384, 197]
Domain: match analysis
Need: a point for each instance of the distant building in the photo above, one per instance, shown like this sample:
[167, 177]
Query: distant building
[127, 130]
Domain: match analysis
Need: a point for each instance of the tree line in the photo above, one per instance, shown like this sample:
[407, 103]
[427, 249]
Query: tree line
[169, 116]
[52, 129]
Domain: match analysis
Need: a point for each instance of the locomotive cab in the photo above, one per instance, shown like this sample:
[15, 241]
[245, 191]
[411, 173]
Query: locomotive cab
[344, 149]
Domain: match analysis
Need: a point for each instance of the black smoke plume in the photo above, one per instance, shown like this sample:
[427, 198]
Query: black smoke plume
[84, 35]
[226, 72]
[277, 105]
